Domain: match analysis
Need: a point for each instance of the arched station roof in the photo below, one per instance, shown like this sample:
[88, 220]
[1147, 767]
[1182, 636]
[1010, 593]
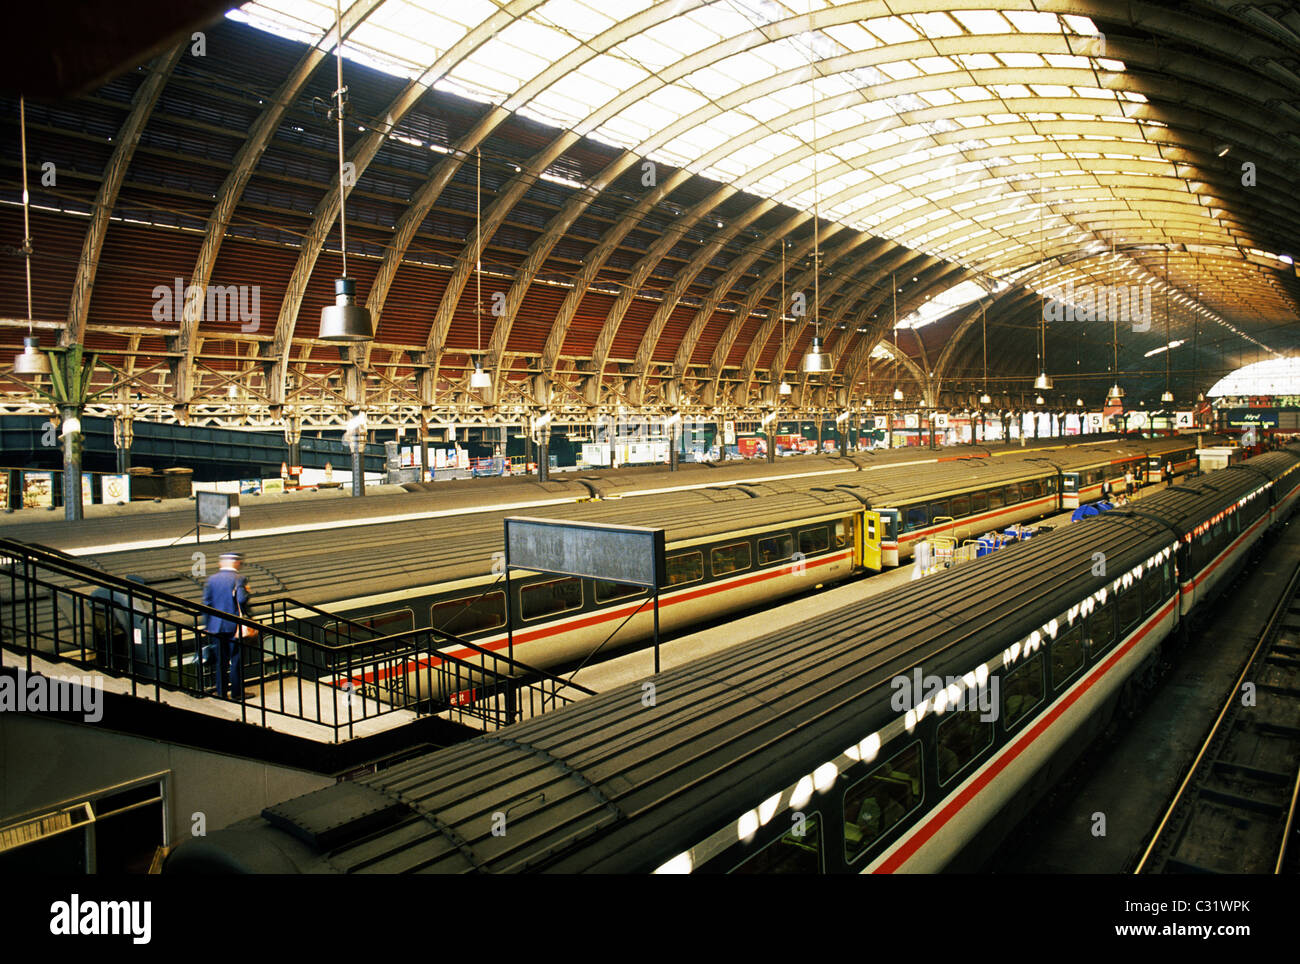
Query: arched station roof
[646, 179]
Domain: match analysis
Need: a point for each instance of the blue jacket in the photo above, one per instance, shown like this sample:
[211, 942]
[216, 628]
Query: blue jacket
[219, 594]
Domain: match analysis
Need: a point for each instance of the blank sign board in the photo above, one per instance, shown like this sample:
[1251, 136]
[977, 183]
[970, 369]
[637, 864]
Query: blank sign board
[218, 510]
[617, 553]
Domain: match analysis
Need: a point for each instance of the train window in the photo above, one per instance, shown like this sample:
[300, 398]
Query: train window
[938, 510]
[1167, 577]
[1152, 591]
[1067, 655]
[685, 567]
[1013, 494]
[979, 502]
[916, 518]
[841, 534]
[1031, 489]
[961, 506]
[775, 549]
[997, 498]
[814, 540]
[1022, 690]
[548, 598]
[607, 591]
[1101, 630]
[798, 851]
[384, 624]
[960, 738]
[1130, 607]
[879, 802]
[471, 614]
[732, 558]
[1049, 485]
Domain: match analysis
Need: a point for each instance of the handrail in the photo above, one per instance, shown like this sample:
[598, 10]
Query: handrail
[54, 560]
[173, 652]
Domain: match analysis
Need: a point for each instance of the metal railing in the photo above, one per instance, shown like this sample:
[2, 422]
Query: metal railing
[313, 666]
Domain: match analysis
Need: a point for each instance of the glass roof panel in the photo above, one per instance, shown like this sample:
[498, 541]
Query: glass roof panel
[902, 147]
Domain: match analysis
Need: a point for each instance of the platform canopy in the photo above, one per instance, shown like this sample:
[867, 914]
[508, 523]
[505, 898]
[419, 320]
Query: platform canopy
[659, 205]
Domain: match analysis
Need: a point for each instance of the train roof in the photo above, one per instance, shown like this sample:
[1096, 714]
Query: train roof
[172, 519]
[321, 566]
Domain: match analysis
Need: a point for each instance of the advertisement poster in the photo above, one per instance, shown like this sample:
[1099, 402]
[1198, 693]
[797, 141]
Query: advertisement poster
[38, 490]
[115, 489]
[250, 486]
[87, 489]
[272, 486]
[4, 489]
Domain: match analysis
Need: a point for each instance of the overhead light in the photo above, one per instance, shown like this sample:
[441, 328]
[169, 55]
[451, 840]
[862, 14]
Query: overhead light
[32, 361]
[1167, 396]
[1079, 402]
[232, 392]
[1200, 396]
[345, 320]
[1115, 392]
[898, 394]
[1223, 149]
[816, 360]
[1038, 400]
[985, 399]
[870, 403]
[783, 388]
[1043, 382]
[479, 378]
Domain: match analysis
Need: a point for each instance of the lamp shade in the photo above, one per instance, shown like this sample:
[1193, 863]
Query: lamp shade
[816, 360]
[985, 399]
[1043, 382]
[783, 388]
[32, 361]
[1115, 392]
[898, 394]
[345, 320]
[479, 378]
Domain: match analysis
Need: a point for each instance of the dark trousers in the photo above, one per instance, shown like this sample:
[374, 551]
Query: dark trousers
[230, 659]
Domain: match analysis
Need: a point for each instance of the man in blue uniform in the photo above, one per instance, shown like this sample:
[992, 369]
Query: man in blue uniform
[226, 592]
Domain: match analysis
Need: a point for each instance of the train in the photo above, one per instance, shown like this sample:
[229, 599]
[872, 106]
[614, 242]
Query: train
[888, 735]
[729, 548]
[144, 525]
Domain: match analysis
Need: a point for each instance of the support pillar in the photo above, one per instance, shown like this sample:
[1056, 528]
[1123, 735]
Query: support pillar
[293, 439]
[674, 445]
[544, 454]
[424, 447]
[72, 441]
[123, 437]
[355, 436]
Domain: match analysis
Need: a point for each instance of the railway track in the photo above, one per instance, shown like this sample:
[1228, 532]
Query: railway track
[1235, 811]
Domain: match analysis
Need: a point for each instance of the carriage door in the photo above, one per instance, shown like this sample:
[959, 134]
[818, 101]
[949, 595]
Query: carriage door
[888, 530]
[872, 530]
[1070, 486]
